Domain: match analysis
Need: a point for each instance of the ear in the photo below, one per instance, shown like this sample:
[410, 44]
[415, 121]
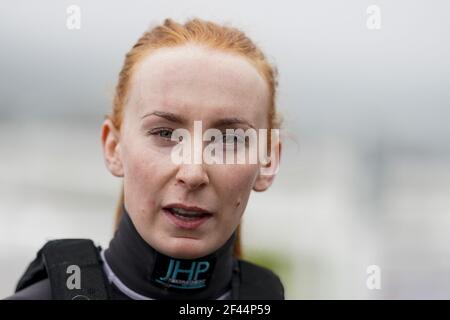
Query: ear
[111, 148]
[267, 172]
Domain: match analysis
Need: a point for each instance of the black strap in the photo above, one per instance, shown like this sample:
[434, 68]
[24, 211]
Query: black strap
[74, 257]
[34, 273]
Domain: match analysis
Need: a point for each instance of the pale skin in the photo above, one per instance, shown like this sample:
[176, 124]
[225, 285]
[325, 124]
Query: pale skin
[194, 84]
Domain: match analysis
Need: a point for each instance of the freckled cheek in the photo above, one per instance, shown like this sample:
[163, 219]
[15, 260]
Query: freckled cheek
[141, 158]
[236, 184]
[144, 167]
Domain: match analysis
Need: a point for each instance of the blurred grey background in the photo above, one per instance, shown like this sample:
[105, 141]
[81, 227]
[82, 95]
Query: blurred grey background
[365, 176]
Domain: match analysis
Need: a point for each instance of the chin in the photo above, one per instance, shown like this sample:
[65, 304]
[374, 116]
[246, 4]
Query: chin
[186, 248]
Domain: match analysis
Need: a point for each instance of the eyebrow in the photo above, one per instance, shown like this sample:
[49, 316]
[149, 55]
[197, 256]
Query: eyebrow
[166, 115]
[231, 121]
[178, 119]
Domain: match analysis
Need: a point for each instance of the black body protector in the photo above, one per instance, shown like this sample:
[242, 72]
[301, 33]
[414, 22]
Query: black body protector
[132, 269]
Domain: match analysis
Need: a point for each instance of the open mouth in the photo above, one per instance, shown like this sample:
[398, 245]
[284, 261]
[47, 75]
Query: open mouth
[187, 218]
[187, 215]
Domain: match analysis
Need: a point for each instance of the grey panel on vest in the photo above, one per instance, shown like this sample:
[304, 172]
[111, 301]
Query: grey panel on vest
[38, 291]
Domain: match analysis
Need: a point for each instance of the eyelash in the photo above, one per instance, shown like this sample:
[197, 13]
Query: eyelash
[157, 131]
[238, 138]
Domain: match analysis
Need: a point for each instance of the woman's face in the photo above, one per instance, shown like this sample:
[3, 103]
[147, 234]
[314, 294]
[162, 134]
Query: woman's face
[170, 89]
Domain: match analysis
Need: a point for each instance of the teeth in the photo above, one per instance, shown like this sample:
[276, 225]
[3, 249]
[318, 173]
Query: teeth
[183, 212]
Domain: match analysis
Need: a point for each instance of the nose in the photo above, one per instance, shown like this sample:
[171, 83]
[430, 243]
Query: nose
[192, 176]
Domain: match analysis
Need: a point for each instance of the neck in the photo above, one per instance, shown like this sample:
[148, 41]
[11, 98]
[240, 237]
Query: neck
[155, 275]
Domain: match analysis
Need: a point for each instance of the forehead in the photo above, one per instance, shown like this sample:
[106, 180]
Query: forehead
[199, 83]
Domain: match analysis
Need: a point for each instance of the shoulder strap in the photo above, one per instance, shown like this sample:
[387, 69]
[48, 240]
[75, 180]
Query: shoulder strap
[34, 273]
[73, 267]
[252, 282]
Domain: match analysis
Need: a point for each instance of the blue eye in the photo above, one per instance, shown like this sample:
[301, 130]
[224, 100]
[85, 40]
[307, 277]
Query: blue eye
[162, 133]
[232, 139]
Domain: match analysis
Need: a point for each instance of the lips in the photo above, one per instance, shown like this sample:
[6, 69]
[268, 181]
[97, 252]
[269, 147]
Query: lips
[185, 216]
